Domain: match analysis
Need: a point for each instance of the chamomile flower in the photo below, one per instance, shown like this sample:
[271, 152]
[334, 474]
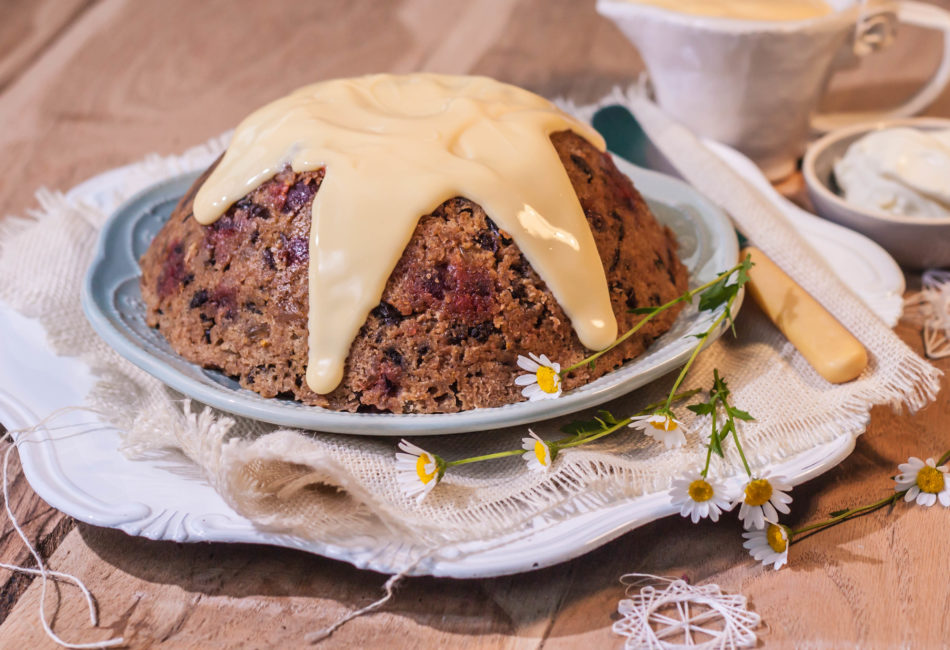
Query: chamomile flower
[762, 499]
[544, 380]
[698, 497]
[418, 471]
[662, 427]
[538, 454]
[769, 545]
[923, 481]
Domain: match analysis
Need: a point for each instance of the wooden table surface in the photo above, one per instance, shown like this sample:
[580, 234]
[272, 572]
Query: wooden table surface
[87, 85]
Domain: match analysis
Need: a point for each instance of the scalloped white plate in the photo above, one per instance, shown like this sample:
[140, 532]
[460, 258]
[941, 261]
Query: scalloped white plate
[79, 470]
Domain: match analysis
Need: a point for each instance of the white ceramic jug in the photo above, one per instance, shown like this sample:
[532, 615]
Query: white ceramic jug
[755, 85]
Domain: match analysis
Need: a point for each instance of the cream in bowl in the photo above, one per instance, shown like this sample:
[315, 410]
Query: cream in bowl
[900, 170]
[889, 180]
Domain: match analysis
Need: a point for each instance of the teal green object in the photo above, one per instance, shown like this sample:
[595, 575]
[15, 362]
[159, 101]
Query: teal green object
[623, 134]
[627, 139]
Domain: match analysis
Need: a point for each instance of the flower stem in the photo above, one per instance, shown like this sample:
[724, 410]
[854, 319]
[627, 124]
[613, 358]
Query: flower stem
[745, 463]
[678, 397]
[861, 510]
[686, 297]
[710, 445]
[574, 443]
[475, 459]
[630, 332]
[847, 514]
[697, 349]
[646, 410]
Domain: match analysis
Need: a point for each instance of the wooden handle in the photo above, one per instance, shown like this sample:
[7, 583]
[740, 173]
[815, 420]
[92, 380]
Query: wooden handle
[822, 340]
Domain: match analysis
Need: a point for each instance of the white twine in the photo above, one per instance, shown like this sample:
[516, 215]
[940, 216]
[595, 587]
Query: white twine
[17, 437]
[391, 584]
[388, 588]
[645, 626]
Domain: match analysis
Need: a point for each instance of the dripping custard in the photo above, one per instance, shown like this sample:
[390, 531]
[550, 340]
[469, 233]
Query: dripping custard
[393, 243]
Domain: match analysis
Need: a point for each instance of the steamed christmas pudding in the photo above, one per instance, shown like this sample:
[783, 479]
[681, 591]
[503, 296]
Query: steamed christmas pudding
[393, 243]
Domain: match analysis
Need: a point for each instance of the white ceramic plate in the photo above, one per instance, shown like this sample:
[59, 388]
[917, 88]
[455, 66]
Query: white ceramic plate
[79, 470]
[113, 305]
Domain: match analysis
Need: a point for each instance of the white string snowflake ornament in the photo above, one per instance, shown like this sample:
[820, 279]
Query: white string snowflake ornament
[930, 308]
[681, 615]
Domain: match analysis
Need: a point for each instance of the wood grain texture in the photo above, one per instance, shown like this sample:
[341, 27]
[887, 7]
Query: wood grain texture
[41, 523]
[27, 27]
[121, 79]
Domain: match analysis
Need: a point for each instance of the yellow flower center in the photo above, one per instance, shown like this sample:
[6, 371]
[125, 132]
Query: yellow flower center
[930, 479]
[775, 538]
[424, 476]
[666, 424]
[540, 452]
[758, 492]
[700, 490]
[548, 380]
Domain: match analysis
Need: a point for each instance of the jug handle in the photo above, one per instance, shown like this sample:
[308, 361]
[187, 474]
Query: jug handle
[920, 15]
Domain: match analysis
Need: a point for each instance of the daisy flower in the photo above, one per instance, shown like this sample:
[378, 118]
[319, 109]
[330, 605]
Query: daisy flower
[763, 498]
[544, 380]
[538, 454]
[417, 471]
[662, 427]
[923, 482]
[697, 497]
[768, 546]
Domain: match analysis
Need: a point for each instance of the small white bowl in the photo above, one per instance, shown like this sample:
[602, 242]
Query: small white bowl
[915, 242]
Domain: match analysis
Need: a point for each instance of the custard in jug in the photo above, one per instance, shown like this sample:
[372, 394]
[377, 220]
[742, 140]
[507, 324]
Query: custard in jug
[746, 9]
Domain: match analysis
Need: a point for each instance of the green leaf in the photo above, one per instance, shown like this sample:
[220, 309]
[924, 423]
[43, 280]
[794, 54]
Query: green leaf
[642, 310]
[743, 275]
[731, 322]
[701, 409]
[592, 363]
[608, 417]
[715, 444]
[727, 428]
[718, 294]
[720, 387]
[838, 513]
[581, 427]
[700, 336]
[739, 413]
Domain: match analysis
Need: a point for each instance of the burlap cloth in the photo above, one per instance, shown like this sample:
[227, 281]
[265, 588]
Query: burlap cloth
[337, 489]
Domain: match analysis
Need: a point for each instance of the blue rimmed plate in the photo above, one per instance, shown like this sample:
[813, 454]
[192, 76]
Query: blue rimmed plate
[113, 305]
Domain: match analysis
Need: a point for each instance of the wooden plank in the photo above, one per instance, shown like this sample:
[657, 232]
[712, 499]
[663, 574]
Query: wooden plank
[159, 594]
[29, 27]
[131, 78]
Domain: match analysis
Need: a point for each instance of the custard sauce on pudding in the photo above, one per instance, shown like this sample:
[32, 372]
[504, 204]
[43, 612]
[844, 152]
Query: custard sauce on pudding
[393, 148]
